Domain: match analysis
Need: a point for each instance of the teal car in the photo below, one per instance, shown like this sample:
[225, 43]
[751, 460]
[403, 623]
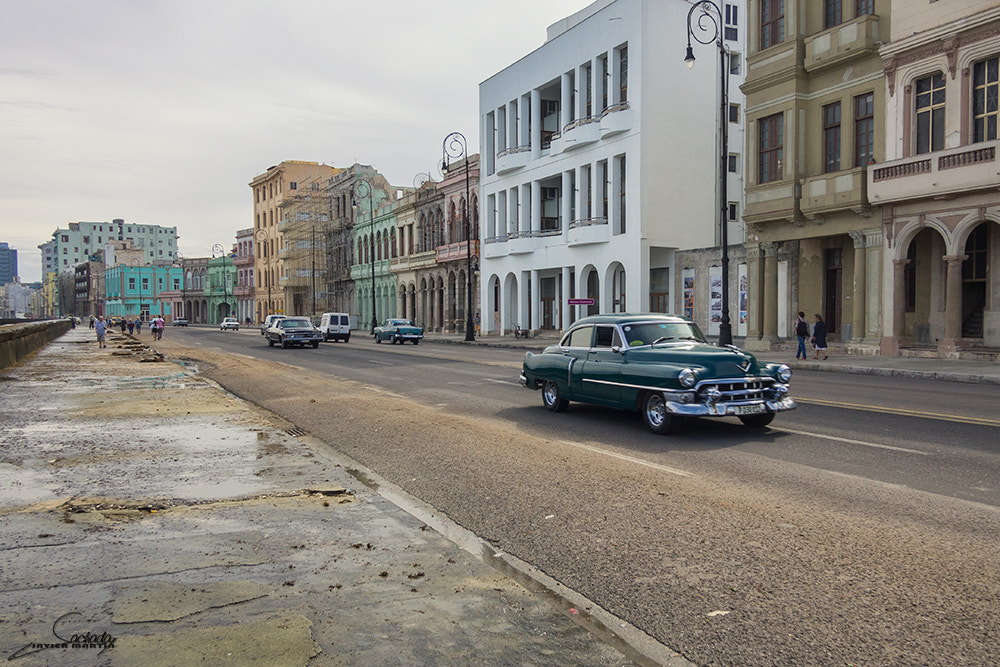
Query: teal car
[659, 365]
[398, 331]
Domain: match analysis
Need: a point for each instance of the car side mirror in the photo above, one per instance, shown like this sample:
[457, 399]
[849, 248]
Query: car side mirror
[617, 349]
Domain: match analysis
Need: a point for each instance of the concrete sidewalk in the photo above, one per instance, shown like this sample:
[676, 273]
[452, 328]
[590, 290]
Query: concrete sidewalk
[951, 370]
[150, 517]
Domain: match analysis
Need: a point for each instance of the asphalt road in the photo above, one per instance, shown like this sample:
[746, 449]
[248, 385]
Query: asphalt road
[861, 528]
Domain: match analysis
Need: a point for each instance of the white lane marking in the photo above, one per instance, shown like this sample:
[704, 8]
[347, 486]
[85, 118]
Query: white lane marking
[515, 384]
[384, 363]
[630, 459]
[851, 442]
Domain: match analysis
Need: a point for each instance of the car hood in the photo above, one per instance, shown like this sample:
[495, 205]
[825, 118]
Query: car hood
[297, 329]
[712, 361]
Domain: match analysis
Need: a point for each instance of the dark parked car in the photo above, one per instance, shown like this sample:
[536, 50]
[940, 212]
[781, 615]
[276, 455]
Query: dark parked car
[398, 331]
[290, 331]
[659, 365]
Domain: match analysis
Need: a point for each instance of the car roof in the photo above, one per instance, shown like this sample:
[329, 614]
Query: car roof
[627, 318]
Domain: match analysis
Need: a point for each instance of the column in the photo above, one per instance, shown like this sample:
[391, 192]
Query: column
[567, 94]
[567, 290]
[860, 283]
[536, 206]
[615, 69]
[580, 192]
[953, 301]
[596, 190]
[535, 301]
[536, 124]
[596, 87]
[567, 197]
[770, 310]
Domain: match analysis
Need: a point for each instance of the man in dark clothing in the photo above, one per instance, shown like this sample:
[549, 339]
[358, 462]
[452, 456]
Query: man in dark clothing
[801, 332]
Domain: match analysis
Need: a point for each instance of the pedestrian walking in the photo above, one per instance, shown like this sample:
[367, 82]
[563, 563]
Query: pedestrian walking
[138, 325]
[159, 322]
[801, 332]
[101, 330]
[92, 321]
[131, 326]
[819, 337]
[124, 326]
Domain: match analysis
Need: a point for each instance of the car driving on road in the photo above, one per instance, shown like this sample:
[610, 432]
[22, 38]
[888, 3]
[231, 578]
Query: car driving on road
[269, 322]
[398, 331]
[230, 323]
[659, 365]
[290, 331]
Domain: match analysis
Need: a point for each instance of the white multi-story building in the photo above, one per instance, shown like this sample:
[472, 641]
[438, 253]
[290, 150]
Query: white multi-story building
[599, 162]
[81, 240]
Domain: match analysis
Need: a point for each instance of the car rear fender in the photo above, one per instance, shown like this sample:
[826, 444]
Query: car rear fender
[541, 367]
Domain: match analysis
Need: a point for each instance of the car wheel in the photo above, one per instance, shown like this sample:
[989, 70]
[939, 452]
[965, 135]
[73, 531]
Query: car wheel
[654, 413]
[315, 344]
[757, 421]
[325, 338]
[377, 339]
[416, 341]
[284, 345]
[270, 343]
[551, 398]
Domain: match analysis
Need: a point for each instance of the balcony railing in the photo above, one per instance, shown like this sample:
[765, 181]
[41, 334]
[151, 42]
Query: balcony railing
[938, 174]
[453, 251]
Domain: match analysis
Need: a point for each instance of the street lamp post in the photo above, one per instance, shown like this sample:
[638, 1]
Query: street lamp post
[261, 237]
[455, 146]
[219, 248]
[708, 29]
[364, 189]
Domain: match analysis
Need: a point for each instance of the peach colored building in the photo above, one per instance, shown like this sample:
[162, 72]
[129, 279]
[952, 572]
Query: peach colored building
[270, 189]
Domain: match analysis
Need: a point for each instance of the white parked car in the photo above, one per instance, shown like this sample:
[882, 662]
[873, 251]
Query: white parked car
[230, 323]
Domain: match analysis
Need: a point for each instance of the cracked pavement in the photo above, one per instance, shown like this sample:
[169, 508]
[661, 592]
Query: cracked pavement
[152, 518]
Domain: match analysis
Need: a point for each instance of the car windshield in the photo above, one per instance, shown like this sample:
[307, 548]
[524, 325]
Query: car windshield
[286, 324]
[652, 333]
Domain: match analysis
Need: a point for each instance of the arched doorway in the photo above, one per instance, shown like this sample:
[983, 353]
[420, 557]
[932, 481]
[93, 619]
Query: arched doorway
[975, 273]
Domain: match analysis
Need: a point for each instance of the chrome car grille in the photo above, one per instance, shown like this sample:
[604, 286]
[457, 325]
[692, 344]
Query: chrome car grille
[741, 389]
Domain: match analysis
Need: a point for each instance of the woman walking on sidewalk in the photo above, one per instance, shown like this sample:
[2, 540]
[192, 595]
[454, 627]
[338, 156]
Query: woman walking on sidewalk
[819, 337]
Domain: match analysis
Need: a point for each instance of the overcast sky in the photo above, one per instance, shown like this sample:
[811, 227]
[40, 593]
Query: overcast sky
[161, 111]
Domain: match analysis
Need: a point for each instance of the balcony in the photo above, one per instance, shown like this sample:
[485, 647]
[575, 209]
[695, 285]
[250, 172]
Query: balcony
[771, 202]
[495, 246]
[455, 251]
[521, 243]
[841, 43]
[513, 158]
[593, 230]
[937, 175]
[578, 133]
[615, 119]
[837, 191]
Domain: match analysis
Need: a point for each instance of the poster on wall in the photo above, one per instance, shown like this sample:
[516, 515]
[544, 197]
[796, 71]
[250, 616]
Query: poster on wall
[715, 296]
[688, 294]
[742, 326]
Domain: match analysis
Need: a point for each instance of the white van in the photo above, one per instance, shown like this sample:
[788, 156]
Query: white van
[336, 326]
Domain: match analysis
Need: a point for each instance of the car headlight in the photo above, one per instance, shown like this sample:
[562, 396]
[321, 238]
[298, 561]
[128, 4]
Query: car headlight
[688, 377]
[784, 373]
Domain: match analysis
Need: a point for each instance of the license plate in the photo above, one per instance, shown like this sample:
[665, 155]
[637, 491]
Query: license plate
[748, 409]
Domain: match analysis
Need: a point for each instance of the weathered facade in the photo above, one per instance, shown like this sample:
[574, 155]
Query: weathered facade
[937, 185]
[269, 191]
[815, 98]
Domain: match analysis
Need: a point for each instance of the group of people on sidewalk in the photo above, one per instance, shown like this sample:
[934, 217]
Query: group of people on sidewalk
[818, 338]
[101, 327]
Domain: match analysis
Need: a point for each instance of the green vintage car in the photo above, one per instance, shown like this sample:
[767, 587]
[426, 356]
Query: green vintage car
[660, 365]
[397, 330]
